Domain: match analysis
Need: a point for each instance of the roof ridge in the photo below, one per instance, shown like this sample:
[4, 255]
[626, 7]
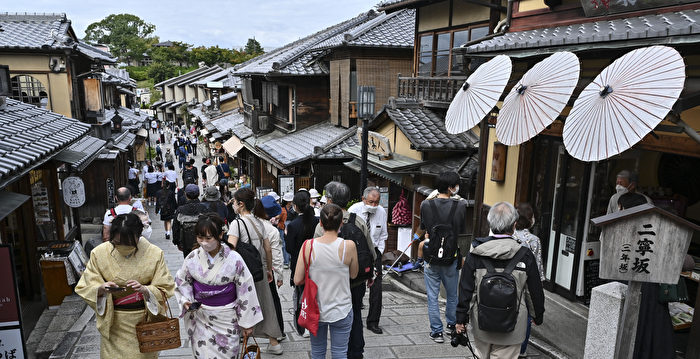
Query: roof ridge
[368, 25]
[328, 32]
[39, 15]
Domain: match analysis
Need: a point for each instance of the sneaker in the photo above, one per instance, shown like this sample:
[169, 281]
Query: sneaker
[285, 266]
[451, 329]
[167, 237]
[437, 337]
[283, 337]
[306, 334]
[274, 349]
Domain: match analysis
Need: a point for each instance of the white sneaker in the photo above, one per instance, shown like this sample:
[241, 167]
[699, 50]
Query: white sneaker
[306, 334]
[274, 349]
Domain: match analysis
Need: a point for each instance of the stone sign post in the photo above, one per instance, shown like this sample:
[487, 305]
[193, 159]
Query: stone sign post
[641, 244]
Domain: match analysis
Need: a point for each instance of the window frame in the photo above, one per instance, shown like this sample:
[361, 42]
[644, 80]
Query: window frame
[434, 50]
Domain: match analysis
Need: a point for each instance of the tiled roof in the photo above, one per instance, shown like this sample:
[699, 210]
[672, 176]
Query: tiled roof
[130, 121]
[299, 146]
[663, 26]
[223, 98]
[335, 150]
[426, 129]
[296, 58]
[157, 104]
[191, 80]
[395, 30]
[34, 31]
[184, 76]
[242, 131]
[467, 166]
[123, 141]
[93, 53]
[120, 76]
[222, 76]
[228, 121]
[82, 152]
[29, 134]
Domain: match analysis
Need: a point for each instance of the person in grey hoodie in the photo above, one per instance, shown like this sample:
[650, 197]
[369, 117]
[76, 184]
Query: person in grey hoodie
[498, 249]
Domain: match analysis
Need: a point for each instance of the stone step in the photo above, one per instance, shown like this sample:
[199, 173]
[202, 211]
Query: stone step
[61, 322]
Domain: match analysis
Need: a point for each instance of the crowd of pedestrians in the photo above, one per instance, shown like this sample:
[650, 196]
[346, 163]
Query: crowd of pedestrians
[236, 246]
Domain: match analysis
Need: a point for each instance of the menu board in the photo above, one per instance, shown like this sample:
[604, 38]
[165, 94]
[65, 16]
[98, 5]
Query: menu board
[40, 197]
[11, 344]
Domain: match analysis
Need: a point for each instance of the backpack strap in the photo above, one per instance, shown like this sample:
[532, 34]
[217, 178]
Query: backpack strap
[487, 264]
[352, 218]
[436, 213]
[515, 260]
[113, 212]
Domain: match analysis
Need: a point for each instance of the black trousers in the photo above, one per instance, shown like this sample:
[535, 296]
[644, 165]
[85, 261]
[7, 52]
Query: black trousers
[375, 294]
[278, 305]
[356, 344]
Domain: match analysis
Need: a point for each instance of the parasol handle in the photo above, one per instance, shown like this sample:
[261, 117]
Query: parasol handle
[465, 87]
[521, 89]
[606, 90]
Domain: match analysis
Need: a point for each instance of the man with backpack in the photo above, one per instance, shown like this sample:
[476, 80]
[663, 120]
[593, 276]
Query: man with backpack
[500, 284]
[186, 217]
[354, 229]
[124, 205]
[444, 218]
[190, 174]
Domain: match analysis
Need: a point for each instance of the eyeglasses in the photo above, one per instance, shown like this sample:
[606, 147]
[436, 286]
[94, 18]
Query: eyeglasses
[205, 238]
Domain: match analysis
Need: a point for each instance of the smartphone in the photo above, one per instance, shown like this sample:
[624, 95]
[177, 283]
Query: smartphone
[115, 289]
[194, 306]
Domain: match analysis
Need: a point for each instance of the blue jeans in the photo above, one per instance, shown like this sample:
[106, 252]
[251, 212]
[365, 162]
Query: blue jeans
[340, 333]
[448, 275]
[285, 255]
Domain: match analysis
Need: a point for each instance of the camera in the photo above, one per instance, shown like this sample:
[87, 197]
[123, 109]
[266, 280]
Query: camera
[459, 339]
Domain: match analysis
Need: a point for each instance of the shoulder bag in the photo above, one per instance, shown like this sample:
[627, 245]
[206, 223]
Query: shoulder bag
[309, 313]
[161, 333]
[249, 253]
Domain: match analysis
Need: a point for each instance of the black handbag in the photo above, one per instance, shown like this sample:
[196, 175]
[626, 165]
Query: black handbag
[673, 292]
[250, 254]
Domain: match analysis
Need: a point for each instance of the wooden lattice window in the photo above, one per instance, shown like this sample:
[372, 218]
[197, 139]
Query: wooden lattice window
[27, 89]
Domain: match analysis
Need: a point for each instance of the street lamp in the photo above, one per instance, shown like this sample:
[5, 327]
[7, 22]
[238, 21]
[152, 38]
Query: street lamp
[366, 99]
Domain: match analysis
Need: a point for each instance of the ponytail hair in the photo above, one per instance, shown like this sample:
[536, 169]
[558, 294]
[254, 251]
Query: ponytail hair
[301, 200]
[259, 210]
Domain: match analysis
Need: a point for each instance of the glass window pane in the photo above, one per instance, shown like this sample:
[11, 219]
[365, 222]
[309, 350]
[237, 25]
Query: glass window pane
[442, 63]
[426, 43]
[479, 32]
[443, 42]
[425, 64]
[460, 38]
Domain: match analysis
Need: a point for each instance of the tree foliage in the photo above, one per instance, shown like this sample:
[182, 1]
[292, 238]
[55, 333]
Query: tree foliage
[128, 36]
[253, 47]
[178, 53]
[217, 55]
[161, 71]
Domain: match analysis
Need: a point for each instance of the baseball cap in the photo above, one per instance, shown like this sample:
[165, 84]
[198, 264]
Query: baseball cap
[288, 197]
[313, 193]
[192, 189]
[272, 208]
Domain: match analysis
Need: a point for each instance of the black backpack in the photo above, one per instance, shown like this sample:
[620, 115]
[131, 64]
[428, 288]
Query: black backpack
[187, 235]
[250, 254]
[352, 232]
[188, 176]
[498, 301]
[442, 248]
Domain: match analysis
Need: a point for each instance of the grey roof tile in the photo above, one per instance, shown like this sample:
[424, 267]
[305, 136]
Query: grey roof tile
[192, 74]
[296, 58]
[131, 120]
[227, 122]
[395, 30]
[425, 128]
[640, 27]
[336, 152]
[300, 145]
[34, 31]
[94, 53]
[29, 134]
[81, 153]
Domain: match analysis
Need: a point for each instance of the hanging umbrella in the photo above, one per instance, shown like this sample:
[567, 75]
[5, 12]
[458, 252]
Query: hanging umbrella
[478, 95]
[624, 103]
[538, 98]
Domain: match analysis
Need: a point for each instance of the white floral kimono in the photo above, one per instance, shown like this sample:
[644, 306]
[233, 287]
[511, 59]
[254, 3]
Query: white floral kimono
[226, 290]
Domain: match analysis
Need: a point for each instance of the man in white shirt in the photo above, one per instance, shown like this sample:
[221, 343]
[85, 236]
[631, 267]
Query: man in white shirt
[212, 174]
[376, 217]
[124, 205]
[133, 177]
[194, 144]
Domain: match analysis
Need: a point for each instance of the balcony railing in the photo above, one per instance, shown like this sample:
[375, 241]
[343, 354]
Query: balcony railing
[432, 91]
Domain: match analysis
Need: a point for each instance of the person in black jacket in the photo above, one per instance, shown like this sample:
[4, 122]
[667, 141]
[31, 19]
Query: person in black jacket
[185, 215]
[498, 250]
[300, 229]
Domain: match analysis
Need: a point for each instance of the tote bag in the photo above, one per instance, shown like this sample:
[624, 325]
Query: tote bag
[309, 313]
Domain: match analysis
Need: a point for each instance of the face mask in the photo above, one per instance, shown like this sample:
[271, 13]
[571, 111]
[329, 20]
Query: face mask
[620, 188]
[240, 181]
[209, 245]
[371, 209]
[125, 250]
[455, 191]
[146, 233]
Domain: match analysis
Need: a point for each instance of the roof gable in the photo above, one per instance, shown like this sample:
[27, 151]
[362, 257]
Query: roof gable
[395, 30]
[35, 31]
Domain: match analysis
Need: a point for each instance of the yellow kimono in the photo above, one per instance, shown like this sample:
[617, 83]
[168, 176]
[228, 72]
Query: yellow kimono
[118, 327]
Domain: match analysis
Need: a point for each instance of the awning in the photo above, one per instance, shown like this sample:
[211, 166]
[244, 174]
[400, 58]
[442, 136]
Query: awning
[356, 165]
[80, 154]
[157, 104]
[126, 91]
[10, 201]
[233, 145]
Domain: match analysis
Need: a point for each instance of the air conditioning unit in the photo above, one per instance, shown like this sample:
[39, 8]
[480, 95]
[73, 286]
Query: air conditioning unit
[263, 123]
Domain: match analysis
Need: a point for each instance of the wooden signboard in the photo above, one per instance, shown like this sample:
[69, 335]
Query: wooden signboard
[643, 244]
[93, 96]
[498, 163]
[11, 343]
[376, 144]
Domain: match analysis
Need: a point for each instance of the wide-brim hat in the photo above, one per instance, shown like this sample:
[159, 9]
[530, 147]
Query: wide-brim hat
[288, 197]
[313, 193]
[211, 193]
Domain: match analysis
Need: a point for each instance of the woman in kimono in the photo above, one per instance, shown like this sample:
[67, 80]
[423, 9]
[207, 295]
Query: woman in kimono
[125, 281]
[249, 228]
[216, 276]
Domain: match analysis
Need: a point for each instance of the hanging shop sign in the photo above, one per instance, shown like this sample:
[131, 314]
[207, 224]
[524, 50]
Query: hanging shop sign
[40, 198]
[286, 184]
[110, 193]
[73, 192]
[376, 144]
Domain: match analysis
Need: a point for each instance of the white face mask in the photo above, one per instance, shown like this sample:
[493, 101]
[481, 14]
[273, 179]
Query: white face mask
[371, 209]
[240, 181]
[209, 245]
[456, 190]
[147, 230]
[620, 188]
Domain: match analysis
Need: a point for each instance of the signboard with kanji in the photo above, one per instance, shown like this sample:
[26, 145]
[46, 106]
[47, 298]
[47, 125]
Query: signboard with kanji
[643, 244]
[11, 343]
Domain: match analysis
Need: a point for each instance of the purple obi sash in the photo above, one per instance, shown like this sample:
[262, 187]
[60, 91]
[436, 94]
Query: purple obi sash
[214, 295]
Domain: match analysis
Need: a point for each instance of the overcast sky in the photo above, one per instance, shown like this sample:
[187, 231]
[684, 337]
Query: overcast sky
[227, 23]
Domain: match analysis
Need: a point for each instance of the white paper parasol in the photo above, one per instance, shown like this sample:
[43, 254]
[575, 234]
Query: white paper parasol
[478, 95]
[538, 98]
[624, 103]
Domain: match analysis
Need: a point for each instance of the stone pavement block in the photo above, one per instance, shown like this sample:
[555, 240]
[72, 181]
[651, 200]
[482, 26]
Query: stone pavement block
[61, 323]
[47, 345]
[406, 310]
[46, 318]
[176, 352]
[64, 347]
[384, 352]
[430, 351]
[71, 307]
[89, 339]
[384, 340]
[83, 320]
[409, 319]
[407, 328]
[81, 350]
